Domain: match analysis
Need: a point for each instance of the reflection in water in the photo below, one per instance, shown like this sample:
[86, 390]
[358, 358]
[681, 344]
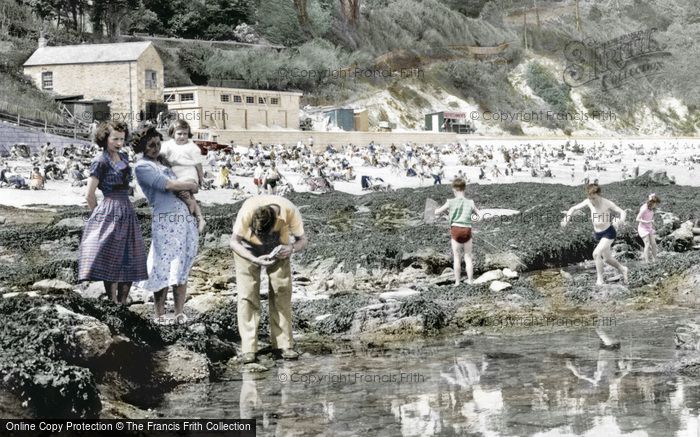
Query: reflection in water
[529, 385]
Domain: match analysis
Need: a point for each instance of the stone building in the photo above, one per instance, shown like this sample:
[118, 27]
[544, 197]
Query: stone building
[217, 108]
[129, 75]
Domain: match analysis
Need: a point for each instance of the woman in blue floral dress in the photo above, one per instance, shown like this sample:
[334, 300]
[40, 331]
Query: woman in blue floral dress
[174, 230]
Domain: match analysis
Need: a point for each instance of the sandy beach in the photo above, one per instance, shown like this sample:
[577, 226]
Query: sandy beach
[670, 158]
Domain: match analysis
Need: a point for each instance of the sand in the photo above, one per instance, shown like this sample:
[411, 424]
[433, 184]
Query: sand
[61, 193]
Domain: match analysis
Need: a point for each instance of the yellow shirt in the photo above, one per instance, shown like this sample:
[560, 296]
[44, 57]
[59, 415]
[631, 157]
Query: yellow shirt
[288, 221]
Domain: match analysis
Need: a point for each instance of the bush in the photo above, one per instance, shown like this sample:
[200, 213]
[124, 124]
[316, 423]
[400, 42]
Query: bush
[277, 20]
[545, 85]
[194, 60]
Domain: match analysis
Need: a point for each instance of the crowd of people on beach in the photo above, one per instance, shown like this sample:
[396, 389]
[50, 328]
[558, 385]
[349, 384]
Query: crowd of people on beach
[269, 164]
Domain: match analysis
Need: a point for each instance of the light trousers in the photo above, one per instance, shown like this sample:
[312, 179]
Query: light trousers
[279, 300]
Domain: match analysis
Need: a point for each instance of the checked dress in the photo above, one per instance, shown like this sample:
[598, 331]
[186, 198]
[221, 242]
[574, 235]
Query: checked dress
[112, 247]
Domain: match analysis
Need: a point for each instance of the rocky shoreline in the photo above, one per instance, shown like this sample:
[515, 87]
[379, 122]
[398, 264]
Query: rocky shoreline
[374, 274]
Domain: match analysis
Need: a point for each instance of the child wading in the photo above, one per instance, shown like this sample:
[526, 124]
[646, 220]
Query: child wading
[646, 226]
[460, 210]
[604, 232]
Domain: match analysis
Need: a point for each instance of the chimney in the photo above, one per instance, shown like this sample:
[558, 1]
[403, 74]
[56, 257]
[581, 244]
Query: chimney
[42, 40]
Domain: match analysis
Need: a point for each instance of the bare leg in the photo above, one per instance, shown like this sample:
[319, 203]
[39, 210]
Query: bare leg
[652, 244]
[159, 300]
[607, 256]
[201, 223]
[179, 295]
[123, 289]
[190, 202]
[457, 264]
[647, 248]
[468, 262]
[111, 290]
[598, 259]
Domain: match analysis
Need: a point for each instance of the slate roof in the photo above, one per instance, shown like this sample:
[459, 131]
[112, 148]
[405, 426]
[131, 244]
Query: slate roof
[87, 53]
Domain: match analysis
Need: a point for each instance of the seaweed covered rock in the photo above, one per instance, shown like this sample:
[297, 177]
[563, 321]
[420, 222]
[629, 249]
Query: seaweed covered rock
[651, 178]
[681, 239]
[36, 348]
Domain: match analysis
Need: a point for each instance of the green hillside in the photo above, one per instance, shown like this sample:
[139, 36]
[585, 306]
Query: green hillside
[323, 38]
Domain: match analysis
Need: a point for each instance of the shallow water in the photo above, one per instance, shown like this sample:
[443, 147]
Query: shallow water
[526, 384]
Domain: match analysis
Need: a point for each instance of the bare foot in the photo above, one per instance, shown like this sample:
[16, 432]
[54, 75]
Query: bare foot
[457, 282]
[202, 224]
[600, 282]
[624, 275]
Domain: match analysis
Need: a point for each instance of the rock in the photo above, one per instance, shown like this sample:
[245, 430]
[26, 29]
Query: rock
[2, 220]
[371, 317]
[405, 325]
[343, 281]
[66, 274]
[411, 275]
[492, 275]
[198, 328]
[398, 294]
[64, 248]
[221, 282]
[446, 278]
[497, 286]
[516, 299]
[602, 293]
[669, 218]
[503, 260]
[71, 223]
[91, 337]
[687, 335]
[510, 274]
[12, 406]
[179, 365]
[660, 177]
[52, 285]
[114, 409]
[696, 231]
[20, 293]
[427, 259]
[670, 223]
[207, 302]
[254, 368]
[91, 290]
[681, 239]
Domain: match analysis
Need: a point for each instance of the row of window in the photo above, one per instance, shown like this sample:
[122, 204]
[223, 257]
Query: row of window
[225, 98]
[47, 80]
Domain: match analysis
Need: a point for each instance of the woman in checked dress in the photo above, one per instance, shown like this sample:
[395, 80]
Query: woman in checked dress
[112, 248]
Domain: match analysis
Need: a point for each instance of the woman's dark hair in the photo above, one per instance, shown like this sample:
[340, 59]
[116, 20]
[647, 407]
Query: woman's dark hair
[105, 128]
[263, 220]
[145, 137]
[179, 124]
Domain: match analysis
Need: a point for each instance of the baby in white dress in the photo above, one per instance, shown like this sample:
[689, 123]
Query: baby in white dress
[185, 160]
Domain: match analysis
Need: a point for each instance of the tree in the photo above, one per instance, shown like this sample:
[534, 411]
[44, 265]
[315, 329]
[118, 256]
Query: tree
[109, 14]
[350, 10]
[301, 7]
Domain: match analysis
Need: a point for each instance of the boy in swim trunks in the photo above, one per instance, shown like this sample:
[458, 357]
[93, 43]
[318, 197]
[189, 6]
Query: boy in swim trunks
[604, 232]
[461, 211]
